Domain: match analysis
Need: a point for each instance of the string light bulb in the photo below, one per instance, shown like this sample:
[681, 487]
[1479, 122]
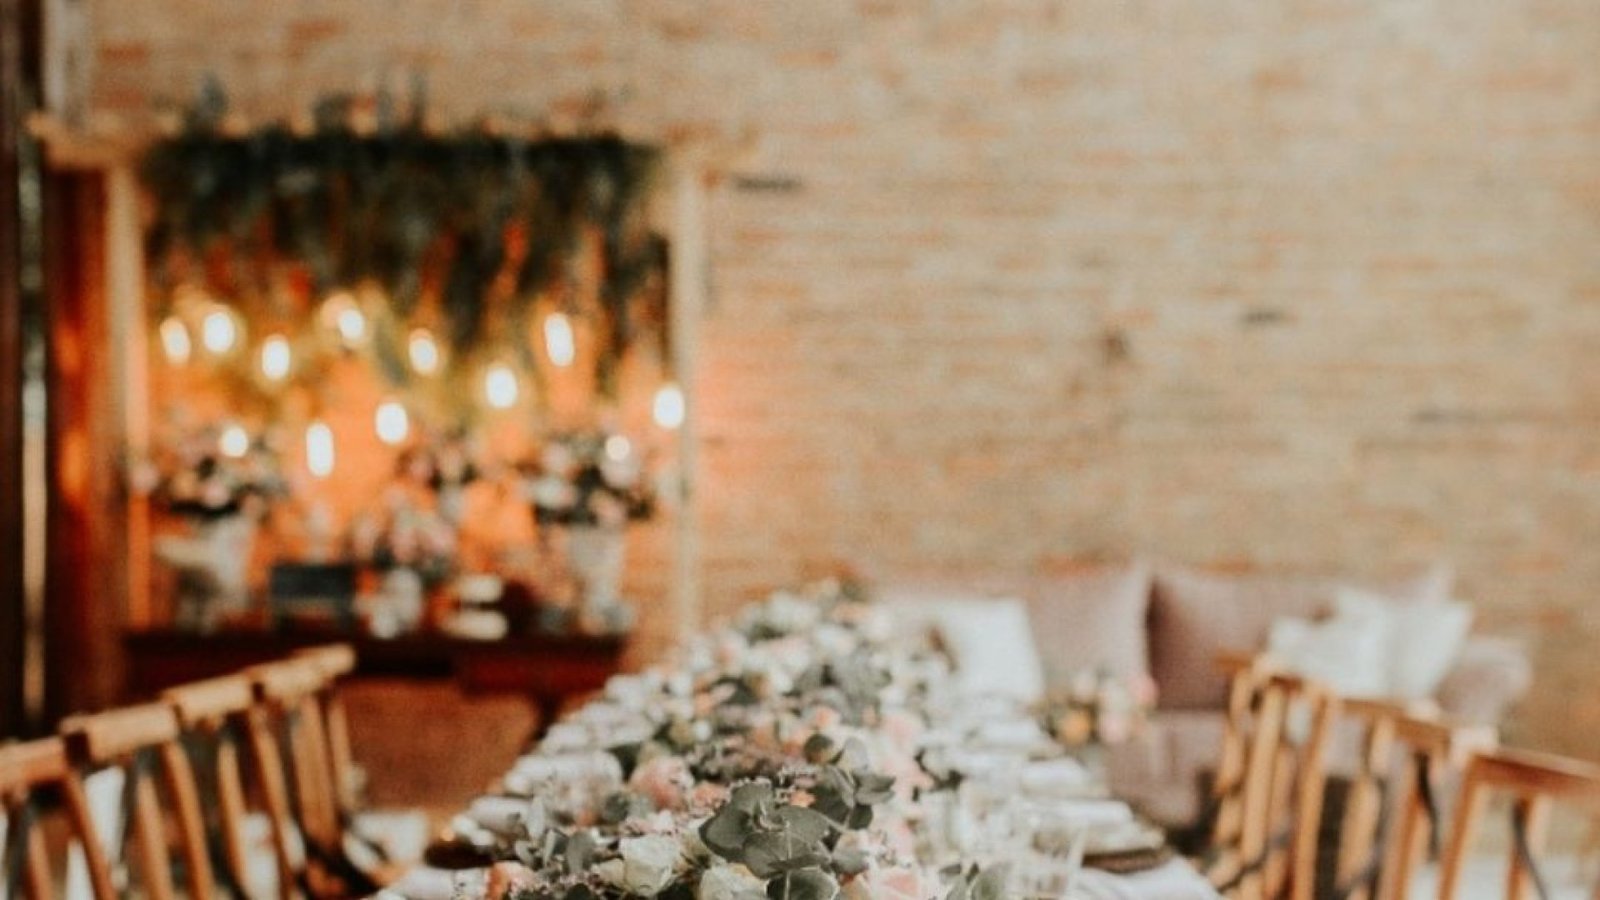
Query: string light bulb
[218, 331]
[669, 408]
[234, 442]
[500, 386]
[175, 340]
[424, 352]
[618, 447]
[558, 339]
[392, 422]
[343, 315]
[319, 449]
[276, 358]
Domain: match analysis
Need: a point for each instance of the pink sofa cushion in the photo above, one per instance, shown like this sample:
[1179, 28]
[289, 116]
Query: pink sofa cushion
[1092, 620]
[1198, 615]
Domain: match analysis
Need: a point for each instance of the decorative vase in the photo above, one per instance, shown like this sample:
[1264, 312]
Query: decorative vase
[595, 555]
[213, 569]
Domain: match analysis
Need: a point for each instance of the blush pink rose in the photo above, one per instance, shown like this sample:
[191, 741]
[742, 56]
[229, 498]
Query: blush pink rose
[506, 877]
[665, 780]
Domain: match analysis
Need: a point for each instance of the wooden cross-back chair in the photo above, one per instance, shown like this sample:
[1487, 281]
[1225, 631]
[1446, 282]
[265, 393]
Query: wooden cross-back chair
[1266, 801]
[26, 772]
[334, 662]
[1534, 782]
[1391, 814]
[140, 740]
[288, 736]
[214, 716]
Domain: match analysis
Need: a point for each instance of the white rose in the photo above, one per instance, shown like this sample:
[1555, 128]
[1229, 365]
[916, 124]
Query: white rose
[727, 882]
[649, 863]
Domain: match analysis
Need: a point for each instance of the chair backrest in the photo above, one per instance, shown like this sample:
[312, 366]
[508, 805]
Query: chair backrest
[1391, 810]
[334, 662]
[26, 770]
[1270, 781]
[213, 714]
[298, 782]
[141, 740]
[1534, 782]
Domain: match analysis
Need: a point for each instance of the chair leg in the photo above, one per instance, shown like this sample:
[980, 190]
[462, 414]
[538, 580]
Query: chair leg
[1468, 816]
[1534, 813]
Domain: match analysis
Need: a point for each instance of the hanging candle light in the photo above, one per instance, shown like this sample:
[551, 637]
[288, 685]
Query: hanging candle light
[234, 442]
[424, 352]
[500, 386]
[392, 422]
[558, 339]
[175, 340]
[276, 358]
[319, 449]
[218, 331]
[669, 408]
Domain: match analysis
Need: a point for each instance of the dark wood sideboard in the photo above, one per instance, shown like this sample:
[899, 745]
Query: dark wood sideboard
[548, 670]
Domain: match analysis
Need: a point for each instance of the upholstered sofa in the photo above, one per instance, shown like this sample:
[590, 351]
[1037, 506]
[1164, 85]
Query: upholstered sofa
[1171, 623]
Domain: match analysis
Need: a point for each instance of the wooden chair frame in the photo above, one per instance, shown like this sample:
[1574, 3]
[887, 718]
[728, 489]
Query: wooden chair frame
[1268, 793]
[25, 770]
[210, 711]
[131, 737]
[1534, 782]
[1396, 841]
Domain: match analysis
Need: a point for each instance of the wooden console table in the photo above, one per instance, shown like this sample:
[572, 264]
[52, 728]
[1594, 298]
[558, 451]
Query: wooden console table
[548, 670]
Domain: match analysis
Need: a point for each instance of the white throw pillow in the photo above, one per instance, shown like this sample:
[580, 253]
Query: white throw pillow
[1346, 653]
[991, 643]
[1421, 640]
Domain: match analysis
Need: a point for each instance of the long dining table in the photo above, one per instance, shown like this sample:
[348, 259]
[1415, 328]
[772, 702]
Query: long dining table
[812, 720]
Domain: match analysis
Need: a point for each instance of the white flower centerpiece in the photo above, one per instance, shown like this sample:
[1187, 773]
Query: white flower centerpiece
[585, 487]
[220, 482]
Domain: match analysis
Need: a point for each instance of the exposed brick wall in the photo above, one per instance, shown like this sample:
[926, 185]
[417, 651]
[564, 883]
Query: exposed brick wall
[1308, 284]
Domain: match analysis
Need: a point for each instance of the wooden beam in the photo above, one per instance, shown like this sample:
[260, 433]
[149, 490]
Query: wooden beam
[12, 620]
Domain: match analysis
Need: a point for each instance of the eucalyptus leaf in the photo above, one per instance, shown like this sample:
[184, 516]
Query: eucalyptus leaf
[803, 884]
[774, 853]
[819, 748]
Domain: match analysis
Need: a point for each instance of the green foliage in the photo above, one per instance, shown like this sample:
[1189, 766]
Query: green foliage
[486, 220]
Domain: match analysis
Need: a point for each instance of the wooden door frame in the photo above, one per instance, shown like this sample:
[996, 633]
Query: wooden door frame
[19, 67]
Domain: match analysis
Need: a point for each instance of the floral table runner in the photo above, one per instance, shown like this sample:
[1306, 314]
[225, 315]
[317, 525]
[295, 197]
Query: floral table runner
[806, 752]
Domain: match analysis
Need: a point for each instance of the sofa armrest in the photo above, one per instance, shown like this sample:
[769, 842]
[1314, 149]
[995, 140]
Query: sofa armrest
[1489, 676]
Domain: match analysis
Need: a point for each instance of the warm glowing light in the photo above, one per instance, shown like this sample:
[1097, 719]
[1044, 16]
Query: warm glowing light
[424, 352]
[175, 341]
[618, 447]
[500, 386]
[234, 442]
[669, 407]
[275, 358]
[319, 449]
[558, 340]
[392, 422]
[218, 333]
[352, 326]
[342, 314]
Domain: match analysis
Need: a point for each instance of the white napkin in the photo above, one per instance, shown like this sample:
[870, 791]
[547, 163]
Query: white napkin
[424, 883]
[498, 814]
[1055, 776]
[595, 764]
[1011, 733]
[1175, 880]
[1085, 811]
